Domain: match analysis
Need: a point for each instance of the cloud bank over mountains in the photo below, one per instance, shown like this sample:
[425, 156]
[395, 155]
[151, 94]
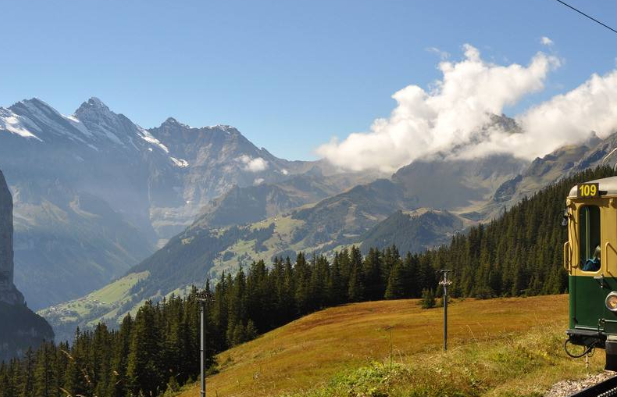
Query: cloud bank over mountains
[253, 164]
[570, 118]
[454, 117]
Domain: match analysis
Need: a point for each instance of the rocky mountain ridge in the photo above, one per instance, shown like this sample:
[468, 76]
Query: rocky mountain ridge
[282, 219]
[96, 193]
[8, 292]
[20, 328]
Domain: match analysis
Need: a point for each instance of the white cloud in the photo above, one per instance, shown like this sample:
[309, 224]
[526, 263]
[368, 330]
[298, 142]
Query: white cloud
[546, 41]
[451, 115]
[442, 54]
[258, 181]
[569, 118]
[253, 164]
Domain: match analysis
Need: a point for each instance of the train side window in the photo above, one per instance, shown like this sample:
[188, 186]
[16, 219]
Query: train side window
[589, 223]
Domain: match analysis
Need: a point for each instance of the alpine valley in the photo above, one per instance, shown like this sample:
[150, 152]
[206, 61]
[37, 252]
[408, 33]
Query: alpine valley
[109, 214]
[96, 194]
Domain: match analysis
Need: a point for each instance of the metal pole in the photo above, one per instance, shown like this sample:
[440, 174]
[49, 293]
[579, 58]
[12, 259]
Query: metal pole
[203, 347]
[445, 282]
[445, 311]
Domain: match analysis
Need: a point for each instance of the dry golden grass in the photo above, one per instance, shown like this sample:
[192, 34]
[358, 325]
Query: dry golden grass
[307, 353]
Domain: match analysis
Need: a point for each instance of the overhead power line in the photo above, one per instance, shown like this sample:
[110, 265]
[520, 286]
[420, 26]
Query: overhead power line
[586, 15]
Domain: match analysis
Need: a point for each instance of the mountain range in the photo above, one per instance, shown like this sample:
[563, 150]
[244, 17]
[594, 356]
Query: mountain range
[313, 208]
[95, 193]
[109, 214]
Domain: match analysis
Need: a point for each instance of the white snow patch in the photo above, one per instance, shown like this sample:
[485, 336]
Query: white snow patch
[223, 127]
[608, 155]
[258, 181]
[75, 122]
[109, 134]
[179, 162]
[41, 114]
[146, 136]
[15, 124]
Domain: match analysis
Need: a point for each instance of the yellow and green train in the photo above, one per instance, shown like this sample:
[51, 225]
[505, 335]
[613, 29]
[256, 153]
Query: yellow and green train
[590, 258]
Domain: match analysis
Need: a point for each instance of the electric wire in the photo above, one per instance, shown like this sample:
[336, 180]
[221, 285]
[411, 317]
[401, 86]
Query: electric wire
[586, 15]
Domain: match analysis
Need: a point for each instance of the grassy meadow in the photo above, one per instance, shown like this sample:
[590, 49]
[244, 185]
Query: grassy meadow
[498, 347]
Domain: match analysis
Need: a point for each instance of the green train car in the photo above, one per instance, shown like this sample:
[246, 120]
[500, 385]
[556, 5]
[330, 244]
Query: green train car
[590, 258]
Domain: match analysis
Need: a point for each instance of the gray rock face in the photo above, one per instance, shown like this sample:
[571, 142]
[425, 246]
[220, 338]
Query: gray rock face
[8, 293]
[94, 193]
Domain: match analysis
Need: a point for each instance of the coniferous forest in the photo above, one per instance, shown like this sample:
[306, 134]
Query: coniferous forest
[157, 350]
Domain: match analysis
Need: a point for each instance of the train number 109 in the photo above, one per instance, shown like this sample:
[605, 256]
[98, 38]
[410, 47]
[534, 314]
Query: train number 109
[588, 190]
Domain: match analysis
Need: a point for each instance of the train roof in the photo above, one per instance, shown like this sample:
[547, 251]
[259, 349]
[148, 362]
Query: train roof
[608, 187]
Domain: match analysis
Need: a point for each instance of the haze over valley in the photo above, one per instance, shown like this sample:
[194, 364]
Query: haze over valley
[287, 159]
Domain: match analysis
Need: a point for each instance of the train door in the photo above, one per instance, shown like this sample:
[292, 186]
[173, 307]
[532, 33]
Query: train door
[588, 270]
[609, 258]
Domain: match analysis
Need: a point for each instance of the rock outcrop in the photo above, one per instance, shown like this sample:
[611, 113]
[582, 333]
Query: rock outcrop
[8, 292]
[20, 327]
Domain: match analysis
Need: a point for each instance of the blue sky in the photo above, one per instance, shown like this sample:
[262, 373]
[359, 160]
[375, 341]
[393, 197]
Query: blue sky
[288, 74]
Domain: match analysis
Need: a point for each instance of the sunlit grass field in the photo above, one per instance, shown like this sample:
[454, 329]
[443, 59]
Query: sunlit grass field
[498, 347]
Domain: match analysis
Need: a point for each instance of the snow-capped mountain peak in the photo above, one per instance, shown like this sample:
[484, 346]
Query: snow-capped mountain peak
[93, 104]
[43, 122]
[174, 123]
[104, 124]
[15, 124]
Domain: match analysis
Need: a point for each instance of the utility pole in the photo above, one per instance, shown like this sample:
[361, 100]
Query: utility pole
[445, 282]
[203, 299]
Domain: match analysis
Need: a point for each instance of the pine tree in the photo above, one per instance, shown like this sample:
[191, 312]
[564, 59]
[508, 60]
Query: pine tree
[144, 361]
[428, 299]
[44, 375]
[9, 382]
[396, 282]
[302, 275]
[374, 287]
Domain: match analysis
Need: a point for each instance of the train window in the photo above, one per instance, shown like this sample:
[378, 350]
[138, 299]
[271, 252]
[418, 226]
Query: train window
[589, 223]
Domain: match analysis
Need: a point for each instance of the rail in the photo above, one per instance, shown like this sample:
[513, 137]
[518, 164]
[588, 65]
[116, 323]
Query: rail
[606, 388]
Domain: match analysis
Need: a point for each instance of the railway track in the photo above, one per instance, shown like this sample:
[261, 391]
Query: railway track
[605, 388]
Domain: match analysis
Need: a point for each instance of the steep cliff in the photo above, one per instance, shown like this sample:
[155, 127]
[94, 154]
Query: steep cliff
[20, 328]
[8, 293]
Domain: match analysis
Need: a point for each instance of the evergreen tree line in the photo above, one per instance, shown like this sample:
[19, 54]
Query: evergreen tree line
[158, 350]
[518, 254]
[521, 252]
[149, 354]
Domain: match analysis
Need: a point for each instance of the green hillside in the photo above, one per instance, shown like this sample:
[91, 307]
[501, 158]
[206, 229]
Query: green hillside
[499, 347]
[517, 254]
[108, 304]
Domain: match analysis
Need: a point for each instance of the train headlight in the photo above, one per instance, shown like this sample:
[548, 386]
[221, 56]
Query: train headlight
[611, 301]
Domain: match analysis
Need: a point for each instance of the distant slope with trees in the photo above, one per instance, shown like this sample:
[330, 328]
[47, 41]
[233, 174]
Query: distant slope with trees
[518, 254]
